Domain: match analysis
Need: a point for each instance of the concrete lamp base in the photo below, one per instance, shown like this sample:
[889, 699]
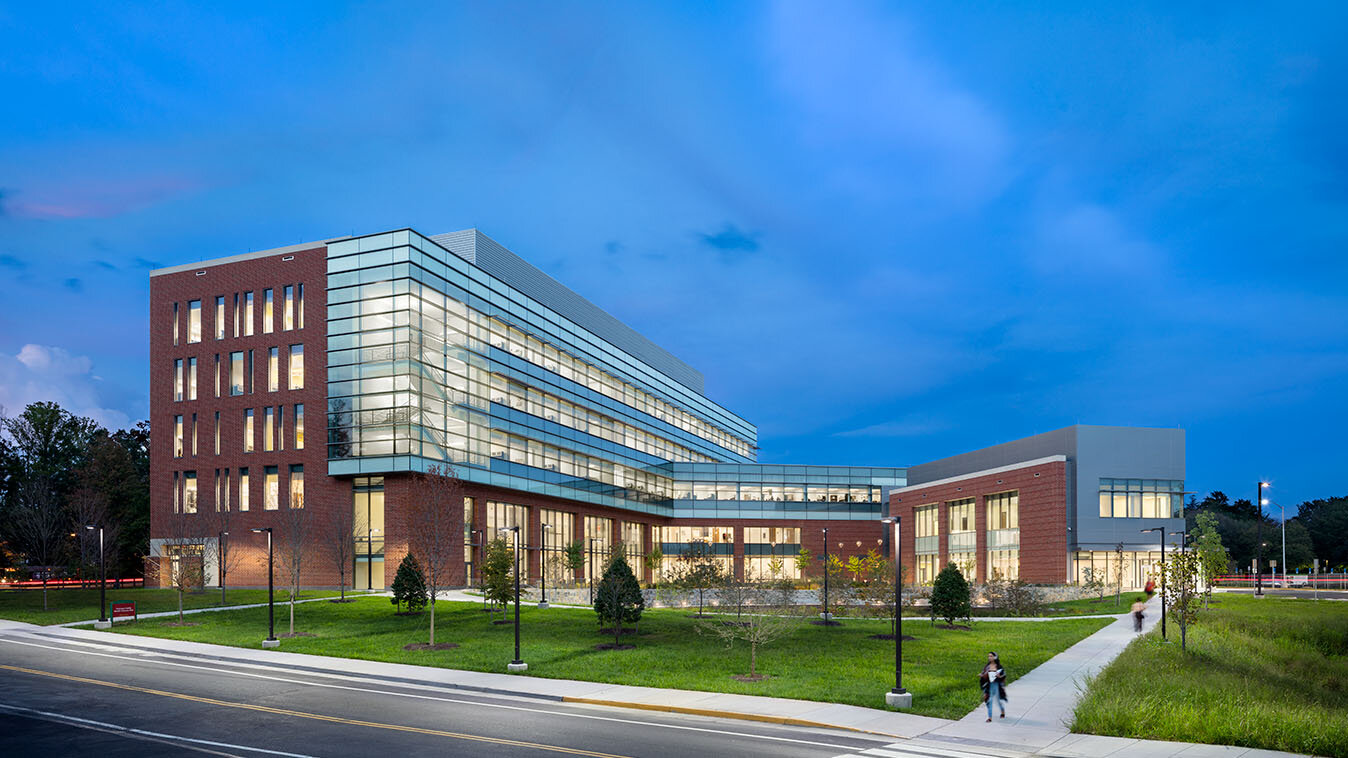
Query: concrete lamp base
[102, 624]
[271, 643]
[544, 604]
[826, 616]
[899, 700]
[516, 668]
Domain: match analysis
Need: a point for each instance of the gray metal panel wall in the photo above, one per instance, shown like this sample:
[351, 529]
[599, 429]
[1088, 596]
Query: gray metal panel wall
[1122, 452]
[1057, 442]
[484, 252]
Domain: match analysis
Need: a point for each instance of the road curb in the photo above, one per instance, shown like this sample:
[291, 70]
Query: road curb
[784, 720]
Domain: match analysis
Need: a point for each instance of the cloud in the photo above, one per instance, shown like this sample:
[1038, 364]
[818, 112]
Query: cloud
[47, 373]
[11, 262]
[73, 284]
[908, 427]
[731, 241]
[147, 263]
[95, 197]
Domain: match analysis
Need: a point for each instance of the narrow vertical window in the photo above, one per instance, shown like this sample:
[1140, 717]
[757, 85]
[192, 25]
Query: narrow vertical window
[299, 308]
[217, 375]
[296, 367]
[288, 308]
[271, 495]
[175, 324]
[216, 501]
[220, 317]
[177, 494]
[236, 372]
[217, 432]
[250, 372]
[267, 322]
[189, 492]
[177, 379]
[193, 321]
[299, 426]
[177, 436]
[297, 485]
[268, 442]
[236, 314]
[194, 434]
[191, 378]
[243, 488]
[248, 314]
[226, 490]
[280, 427]
[273, 369]
[248, 435]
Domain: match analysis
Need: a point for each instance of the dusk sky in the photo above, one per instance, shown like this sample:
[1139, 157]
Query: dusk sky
[885, 233]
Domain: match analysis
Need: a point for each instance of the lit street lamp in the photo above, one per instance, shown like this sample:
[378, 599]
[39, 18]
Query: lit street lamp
[898, 697]
[103, 622]
[1259, 538]
[543, 567]
[271, 640]
[825, 615]
[517, 664]
[1161, 531]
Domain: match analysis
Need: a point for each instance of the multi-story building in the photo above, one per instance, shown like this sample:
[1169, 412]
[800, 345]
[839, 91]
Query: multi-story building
[418, 352]
[399, 353]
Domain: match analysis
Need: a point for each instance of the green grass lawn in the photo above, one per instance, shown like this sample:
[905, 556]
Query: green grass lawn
[833, 664]
[1270, 673]
[67, 605]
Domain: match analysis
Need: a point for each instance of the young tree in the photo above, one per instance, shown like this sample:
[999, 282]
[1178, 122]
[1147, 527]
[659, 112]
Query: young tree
[654, 562]
[573, 555]
[498, 572]
[180, 563]
[338, 536]
[217, 521]
[38, 525]
[618, 599]
[1212, 556]
[294, 543]
[950, 597]
[434, 522]
[1093, 581]
[698, 569]
[409, 586]
[805, 562]
[1118, 574]
[1181, 590]
[756, 629]
[876, 592]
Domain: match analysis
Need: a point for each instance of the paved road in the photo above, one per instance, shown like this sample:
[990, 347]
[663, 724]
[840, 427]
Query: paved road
[60, 697]
[1297, 592]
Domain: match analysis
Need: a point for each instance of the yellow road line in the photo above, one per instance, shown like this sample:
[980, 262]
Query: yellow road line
[314, 716]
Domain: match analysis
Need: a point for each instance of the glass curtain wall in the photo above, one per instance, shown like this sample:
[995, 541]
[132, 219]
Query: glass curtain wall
[1134, 570]
[927, 543]
[559, 531]
[962, 537]
[769, 547]
[1003, 535]
[368, 501]
[598, 545]
[505, 515]
[677, 541]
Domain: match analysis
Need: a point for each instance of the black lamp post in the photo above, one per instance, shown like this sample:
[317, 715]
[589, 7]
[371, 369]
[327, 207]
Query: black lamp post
[1161, 531]
[825, 615]
[481, 537]
[898, 697]
[103, 622]
[220, 558]
[517, 664]
[543, 566]
[589, 573]
[271, 640]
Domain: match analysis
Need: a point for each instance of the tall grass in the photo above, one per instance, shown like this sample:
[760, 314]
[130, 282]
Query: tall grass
[1268, 673]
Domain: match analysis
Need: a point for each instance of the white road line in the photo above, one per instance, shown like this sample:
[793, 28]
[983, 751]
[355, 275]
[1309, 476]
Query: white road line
[158, 736]
[217, 671]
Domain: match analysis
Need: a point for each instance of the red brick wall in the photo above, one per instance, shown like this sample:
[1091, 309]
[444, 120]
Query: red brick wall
[322, 494]
[1042, 517]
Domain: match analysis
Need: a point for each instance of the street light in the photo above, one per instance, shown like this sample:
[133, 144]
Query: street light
[1161, 530]
[220, 558]
[103, 622]
[271, 640]
[898, 697]
[517, 664]
[1259, 538]
[589, 572]
[543, 566]
[369, 558]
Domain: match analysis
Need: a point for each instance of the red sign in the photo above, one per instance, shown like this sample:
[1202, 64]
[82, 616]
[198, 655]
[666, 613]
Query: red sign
[124, 610]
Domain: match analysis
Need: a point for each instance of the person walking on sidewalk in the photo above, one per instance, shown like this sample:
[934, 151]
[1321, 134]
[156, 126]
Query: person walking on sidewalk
[993, 681]
[1138, 615]
[1150, 589]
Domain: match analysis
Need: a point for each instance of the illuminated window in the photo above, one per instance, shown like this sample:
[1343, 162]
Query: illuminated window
[927, 542]
[267, 305]
[248, 314]
[1141, 498]
[191, 378]
[216, 373]
[236, 314]
[193, 321]
[217, 432]
[273, 369]
[299, 426]
[1004, 564]
[288, 308]
[225, 504]
[220, 317]
[297, 367]
[189, 492]
[297, 485]
[216, 490]
[299, 308]
[268, 443]
[248, 430]
[177, 494]
[962, 538]
[177, 379]
[236, 372]
[177, 436]
[271, 494]
[243, 489]
[250, 372]
[1003, 510]
[280, 427]
[175, 324]
[194, 434]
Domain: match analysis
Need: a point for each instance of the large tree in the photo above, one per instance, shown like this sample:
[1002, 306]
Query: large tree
[1327, 521]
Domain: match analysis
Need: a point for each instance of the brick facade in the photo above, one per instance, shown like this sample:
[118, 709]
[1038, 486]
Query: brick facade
[1042, 490]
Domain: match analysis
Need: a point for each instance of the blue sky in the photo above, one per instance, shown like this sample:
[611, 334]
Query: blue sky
[886, 233]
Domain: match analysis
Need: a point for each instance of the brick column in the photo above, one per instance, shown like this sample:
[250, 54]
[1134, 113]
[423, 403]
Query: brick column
[981, 530]
[535, 538]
